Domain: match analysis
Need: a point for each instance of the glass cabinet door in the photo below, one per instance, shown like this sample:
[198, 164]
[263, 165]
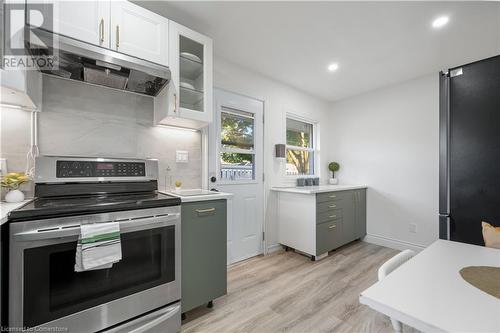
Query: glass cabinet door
[191, 66]
[191, 74]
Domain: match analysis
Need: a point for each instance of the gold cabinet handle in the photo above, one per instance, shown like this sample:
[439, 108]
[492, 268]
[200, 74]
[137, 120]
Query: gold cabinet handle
[117, 36]
[332, 206]
[332, 216]
[101, 31]
[332, 226]
[175, 103]
[208, 210]
[332, 196]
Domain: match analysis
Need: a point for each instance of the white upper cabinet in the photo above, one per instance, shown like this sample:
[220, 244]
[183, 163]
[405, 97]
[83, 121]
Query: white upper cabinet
[88, 21]
[191, 65]
[139, 32]
[21, 88]
[118, 25]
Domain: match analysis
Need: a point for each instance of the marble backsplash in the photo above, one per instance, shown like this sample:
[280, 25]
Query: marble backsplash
[84, 120]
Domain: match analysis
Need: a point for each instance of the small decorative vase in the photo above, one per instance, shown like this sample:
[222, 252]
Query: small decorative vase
[333, 181]
[14, 196]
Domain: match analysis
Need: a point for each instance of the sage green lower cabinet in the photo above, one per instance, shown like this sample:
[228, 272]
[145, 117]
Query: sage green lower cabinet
[343, 227]
[318, 223]
[204, 248]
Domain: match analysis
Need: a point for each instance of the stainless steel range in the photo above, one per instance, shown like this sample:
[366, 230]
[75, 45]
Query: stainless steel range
[140, 293]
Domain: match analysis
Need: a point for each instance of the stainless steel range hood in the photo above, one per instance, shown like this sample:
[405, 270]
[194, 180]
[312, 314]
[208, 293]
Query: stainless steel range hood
[81, 61]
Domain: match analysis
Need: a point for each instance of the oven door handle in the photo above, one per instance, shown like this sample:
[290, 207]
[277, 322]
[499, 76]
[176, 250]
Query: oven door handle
[74, 230]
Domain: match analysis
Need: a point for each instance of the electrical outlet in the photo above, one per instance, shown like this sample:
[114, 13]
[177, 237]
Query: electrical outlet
[413, 228]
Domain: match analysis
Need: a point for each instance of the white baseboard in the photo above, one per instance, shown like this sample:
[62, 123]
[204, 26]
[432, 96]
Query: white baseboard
[274, 248]
[392, 243]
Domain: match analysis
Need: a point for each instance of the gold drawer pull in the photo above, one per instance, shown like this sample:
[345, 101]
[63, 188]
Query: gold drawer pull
[332, 226]
[101, 31]
[117, 36]
[208, 210]
[332, 196]
[332, 216]
[175, 103]
[332, 206]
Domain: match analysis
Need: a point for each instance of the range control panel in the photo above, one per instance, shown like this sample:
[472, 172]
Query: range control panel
[83, 169]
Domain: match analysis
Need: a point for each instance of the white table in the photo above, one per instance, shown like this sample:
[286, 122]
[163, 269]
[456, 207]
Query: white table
[429, 294]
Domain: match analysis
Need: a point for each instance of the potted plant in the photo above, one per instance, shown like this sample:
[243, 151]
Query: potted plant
[11, 182]
[333, 167]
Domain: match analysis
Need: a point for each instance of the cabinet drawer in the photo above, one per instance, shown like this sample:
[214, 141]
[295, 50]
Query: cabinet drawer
[328, 236]
[331, 215]
[334, 196]
[328, 196]
[327, 206]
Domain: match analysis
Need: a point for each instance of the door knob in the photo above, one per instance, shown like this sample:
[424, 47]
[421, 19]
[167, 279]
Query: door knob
[213, 179]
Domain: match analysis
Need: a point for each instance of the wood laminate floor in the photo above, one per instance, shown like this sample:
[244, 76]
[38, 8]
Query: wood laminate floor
[286, 292]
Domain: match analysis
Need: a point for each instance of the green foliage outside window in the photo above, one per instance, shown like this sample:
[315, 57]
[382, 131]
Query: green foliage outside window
[299, 134]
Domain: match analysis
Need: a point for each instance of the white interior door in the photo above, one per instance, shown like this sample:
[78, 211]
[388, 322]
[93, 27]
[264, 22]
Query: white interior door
[236, 166]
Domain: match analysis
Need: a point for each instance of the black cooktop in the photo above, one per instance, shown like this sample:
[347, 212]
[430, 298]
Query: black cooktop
[90, 204]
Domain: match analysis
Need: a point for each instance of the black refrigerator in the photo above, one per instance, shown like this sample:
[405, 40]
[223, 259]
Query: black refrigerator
[469, 163]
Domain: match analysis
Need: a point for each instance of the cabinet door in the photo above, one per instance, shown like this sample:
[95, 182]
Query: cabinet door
[87, 21]
[139, 32]
[349, 218]
[190, 55]
[360, 213]
[328, 236]
[204, 252]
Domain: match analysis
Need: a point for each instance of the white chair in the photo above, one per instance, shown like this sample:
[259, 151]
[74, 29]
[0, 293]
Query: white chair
[388, 267]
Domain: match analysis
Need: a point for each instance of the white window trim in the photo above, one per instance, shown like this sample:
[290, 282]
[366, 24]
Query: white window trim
[314, 149]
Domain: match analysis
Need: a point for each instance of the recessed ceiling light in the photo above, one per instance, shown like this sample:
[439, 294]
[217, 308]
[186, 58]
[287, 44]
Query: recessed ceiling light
[333, 67]
[440, 22]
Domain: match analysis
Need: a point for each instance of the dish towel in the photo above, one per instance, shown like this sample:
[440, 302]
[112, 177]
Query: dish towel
[98, 246]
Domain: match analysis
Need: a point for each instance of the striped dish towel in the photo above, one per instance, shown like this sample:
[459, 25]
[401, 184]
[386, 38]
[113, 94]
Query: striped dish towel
[98, 247]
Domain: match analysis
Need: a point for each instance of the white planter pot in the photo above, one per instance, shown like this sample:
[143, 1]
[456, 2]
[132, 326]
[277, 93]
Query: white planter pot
[14, 196]
[333, 181]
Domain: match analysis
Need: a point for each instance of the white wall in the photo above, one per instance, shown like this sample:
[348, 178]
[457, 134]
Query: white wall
[388, 140]
[278, 100]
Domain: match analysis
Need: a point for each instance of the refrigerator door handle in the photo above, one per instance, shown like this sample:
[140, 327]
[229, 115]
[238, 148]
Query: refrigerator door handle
[444, 143]
[444, 226]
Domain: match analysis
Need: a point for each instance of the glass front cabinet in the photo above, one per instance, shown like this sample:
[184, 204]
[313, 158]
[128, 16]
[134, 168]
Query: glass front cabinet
[190, 96]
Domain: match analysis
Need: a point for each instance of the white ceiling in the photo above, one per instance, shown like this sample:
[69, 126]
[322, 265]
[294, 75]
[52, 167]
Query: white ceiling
[374, 43]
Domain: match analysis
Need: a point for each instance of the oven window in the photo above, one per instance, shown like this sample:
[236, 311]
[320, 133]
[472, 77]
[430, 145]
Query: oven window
[52, 288]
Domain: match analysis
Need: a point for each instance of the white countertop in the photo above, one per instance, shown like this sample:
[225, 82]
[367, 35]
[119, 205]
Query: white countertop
[6, 207]
[193, 195]
[317, 189]
[429, 294]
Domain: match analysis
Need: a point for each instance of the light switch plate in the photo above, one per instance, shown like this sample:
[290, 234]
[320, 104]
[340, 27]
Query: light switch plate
[181, 156]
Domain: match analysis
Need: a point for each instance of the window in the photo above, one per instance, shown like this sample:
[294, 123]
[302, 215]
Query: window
[300, 147]
[237, 154]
